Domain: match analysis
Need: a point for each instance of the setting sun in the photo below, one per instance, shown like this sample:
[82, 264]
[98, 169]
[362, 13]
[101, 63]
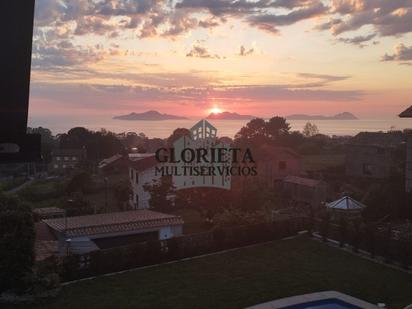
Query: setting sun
[216, 110]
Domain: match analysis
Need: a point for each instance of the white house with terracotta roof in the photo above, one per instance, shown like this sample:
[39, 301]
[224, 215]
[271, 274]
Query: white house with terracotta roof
[142, 172]
[82, 234]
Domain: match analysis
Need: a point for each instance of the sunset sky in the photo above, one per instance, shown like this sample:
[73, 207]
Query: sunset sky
[186, 57]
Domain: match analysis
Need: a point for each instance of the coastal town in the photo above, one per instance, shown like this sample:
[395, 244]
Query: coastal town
[97, 194]
[225, 154]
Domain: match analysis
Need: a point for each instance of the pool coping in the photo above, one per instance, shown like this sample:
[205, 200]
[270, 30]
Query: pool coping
[296, 300]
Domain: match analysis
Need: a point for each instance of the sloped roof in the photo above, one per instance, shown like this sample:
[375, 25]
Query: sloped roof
[115, 222]
[308, 182]
[135, 156]
[346, 203]
[407, 113]
[144, 163]
[382, 139]
[49, 211]
[110, 160]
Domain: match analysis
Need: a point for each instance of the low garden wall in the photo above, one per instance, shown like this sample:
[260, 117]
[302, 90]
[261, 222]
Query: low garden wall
[100, 262]
[378, 241]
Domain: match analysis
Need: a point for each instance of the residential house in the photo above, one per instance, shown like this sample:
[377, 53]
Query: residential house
[113, 164]
[304, 191]
[82, 234]
[65, 159]
[374, 154]
[408, 166]
[274, 163]
[141, 172]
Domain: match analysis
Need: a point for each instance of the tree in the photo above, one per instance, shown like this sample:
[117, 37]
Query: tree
[78, 205]
[258, 132]
[160, 193]
[99, 145]
[207, 201]
[16, 243]
[81, 182]
[310, 129]
[254, 128]
[178, 133]
[122, 192]
[48, 141]
[276, 127]
[236, 217]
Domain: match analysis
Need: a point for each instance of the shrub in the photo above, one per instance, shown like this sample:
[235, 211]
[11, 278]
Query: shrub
[16, 243]
[325, 227]
[370, 239]
[405, 245]
[343, 231]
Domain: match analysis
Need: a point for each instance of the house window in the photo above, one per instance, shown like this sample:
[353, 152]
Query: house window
[367, 169]
[66, 158]
[64, 165]
[58, 158]
[137, 200]
[137, 177]
[56, 166]
[74, 158]
[131, 174]
[282, 165]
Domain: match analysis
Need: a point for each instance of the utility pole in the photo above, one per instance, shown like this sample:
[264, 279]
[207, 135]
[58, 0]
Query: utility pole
[106, 180]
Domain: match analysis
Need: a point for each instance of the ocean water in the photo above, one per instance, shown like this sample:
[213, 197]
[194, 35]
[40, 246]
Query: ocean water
[163, 129]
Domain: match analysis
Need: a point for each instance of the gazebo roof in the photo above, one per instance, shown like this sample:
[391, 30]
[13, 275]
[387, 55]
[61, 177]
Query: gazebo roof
[345, 203]
[407, 113]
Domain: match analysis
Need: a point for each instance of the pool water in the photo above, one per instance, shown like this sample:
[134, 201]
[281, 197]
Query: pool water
[332, 303]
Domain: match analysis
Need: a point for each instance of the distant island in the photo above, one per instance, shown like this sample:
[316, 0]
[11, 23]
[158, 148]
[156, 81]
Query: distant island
[229, 116]
[149, 115]
[341, 116]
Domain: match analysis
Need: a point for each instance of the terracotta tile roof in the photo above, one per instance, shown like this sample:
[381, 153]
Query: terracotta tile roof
[302, 181]
[407, 113]
[113, 222]
[144, 164]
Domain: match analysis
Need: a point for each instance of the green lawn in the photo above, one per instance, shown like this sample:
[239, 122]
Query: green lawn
[43, 193]
[242, 278]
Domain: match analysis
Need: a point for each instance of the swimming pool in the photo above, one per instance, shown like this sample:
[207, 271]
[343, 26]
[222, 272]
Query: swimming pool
[318, 300]
[332, 303]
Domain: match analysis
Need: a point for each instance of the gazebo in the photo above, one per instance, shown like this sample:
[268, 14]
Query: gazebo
[346, 205]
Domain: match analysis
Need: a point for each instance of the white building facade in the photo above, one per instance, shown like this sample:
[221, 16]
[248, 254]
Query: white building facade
[142, 171]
